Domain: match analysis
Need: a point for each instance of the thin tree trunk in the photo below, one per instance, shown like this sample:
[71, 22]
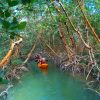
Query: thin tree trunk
[88, 23]
[79, 33]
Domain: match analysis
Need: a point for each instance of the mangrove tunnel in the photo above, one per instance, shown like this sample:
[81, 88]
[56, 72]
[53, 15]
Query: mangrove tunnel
[49, 50]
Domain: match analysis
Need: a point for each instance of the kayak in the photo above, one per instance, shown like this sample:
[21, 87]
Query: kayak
[43, 66]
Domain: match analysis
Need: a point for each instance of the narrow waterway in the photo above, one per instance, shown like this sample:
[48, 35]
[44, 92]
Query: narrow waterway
[55, 85]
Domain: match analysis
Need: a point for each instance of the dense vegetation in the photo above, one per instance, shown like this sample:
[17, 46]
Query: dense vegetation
[66, 30]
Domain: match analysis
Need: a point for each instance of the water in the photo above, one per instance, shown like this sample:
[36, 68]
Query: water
[56, 85]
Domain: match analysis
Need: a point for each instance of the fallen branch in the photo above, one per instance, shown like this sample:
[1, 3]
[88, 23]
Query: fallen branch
[4, 93]
[89, 82]
[31, 51]
[6, 59]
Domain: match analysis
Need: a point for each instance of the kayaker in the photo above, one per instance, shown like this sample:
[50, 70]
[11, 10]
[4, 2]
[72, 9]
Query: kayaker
[42, 60]
[38, 56]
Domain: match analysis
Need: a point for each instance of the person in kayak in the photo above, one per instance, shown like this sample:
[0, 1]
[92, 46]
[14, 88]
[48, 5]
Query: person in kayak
[37, 57]
[42, 61]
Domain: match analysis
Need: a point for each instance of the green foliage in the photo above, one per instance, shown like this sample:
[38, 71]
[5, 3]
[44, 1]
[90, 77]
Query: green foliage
[5, 24]
[12, 35]
[22, 25]
[9, 18]
[14, 24]
[42, 17]
[12, 3]
[3, 81]
[28, 1]
[7, 13]
[1, 13]
[17, 62]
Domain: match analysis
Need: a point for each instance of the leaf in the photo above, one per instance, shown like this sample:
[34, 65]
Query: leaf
[28, 1]
[22, 25]
[6, 24]
[15, 20]
[7, 13]
[12, 3]
[13, 27]
[14, 24]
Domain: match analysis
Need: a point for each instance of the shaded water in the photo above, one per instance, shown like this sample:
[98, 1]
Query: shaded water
[56, 85]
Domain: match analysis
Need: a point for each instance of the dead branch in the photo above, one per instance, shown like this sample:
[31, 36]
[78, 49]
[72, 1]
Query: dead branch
[30, 53]
[6, 59]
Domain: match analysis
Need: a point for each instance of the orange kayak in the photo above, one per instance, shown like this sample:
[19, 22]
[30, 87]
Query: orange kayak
[43, 66]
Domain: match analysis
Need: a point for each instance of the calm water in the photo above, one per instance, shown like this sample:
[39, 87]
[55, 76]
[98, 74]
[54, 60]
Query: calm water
[56, 85]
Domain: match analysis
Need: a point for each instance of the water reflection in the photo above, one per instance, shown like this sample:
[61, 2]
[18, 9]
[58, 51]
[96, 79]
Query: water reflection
[44, 71]
[50, 84]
